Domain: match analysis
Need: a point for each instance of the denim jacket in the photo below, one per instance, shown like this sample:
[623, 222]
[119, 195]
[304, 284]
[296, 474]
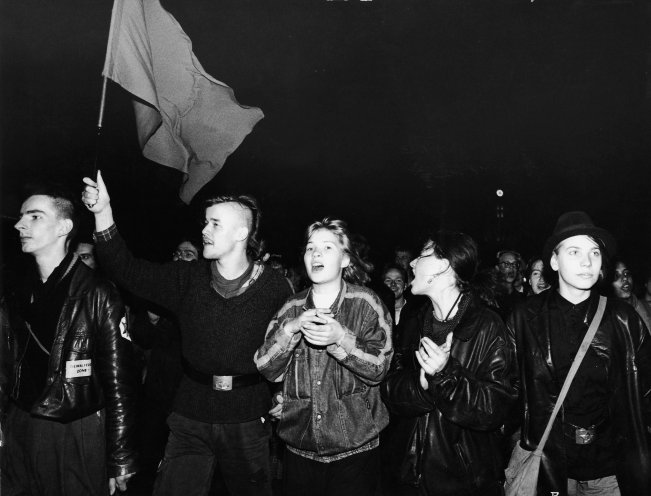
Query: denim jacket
[331, 394]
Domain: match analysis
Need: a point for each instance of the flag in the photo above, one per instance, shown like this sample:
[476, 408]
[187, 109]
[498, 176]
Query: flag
[186, 119]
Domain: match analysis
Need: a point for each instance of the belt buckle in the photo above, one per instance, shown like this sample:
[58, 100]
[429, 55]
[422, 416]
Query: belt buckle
[222, 382]
[584, 436]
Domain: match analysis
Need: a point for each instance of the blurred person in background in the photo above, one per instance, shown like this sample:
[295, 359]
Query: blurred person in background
[537, 282]
[622, 287]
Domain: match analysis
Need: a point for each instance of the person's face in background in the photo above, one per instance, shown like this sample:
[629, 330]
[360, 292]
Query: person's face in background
[508, 266]
[403, 258]
[537, 280]
[186, 252]
[623, 281]
[86, 251]
[394, 281]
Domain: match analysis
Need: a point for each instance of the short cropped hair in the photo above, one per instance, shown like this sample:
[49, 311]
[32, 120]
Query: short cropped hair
[63, 201]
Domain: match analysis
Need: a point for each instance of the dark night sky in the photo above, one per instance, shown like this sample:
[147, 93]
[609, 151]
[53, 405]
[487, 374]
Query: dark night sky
[396, 115]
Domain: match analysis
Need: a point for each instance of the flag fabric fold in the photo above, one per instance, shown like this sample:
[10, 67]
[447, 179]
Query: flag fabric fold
[186, 119]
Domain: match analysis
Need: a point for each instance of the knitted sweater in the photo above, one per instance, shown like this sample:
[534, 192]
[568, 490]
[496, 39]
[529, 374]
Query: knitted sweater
[219, 336]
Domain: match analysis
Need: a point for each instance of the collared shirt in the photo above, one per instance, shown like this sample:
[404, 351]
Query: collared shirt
[585, 404]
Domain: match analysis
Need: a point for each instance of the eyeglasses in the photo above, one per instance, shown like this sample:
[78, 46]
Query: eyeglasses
[187, 255]
[509, 265]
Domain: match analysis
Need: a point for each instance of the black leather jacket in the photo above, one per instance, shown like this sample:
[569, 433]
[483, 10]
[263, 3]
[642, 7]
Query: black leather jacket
[89, 327]
[624, 345]
[467, 402]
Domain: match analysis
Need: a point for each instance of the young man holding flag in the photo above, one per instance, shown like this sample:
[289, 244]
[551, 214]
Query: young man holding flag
[223, 304]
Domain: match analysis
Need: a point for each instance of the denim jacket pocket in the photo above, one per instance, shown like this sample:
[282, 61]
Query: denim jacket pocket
[298, 377]
[347, 383]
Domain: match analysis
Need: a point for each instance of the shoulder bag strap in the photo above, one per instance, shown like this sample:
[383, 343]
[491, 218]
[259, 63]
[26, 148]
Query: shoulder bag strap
[38, 342]
[575, 366]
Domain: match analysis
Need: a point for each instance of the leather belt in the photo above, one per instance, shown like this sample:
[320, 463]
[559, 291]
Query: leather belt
[221, 382]
[584, 435]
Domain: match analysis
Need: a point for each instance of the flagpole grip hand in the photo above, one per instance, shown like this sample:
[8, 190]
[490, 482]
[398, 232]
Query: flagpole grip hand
[97, 200]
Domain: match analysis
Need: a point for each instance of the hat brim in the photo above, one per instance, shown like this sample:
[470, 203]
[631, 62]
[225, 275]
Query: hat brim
[609, 243]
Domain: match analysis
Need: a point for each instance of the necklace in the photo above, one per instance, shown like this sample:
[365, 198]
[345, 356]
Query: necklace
[451, 309]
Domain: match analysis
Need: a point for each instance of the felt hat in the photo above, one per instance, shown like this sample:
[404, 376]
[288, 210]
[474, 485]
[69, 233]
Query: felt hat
[574, 224]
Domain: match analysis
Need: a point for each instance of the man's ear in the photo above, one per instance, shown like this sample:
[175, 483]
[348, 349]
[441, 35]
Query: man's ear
[242, 233]
[553, 263]
[64, 227]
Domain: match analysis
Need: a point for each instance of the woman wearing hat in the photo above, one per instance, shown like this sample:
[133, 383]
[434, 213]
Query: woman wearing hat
[598, 442]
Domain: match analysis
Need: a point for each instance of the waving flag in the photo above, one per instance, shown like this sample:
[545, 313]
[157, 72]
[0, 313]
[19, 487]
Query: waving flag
[186, 118]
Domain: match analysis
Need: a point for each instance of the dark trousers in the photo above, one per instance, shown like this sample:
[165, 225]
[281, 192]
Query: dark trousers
[46, 458]
[195, 448]
[355, 475]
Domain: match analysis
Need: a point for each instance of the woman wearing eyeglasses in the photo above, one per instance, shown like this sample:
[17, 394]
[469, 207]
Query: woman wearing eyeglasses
[454, 373]
[509, 264]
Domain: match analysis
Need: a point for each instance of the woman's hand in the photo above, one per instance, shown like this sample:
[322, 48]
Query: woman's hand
[310, 317]
[323, 334]
[432, 358]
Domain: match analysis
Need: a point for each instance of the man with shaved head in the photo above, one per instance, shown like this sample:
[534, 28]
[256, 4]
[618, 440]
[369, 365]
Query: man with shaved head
[68, 378]
[223, 304]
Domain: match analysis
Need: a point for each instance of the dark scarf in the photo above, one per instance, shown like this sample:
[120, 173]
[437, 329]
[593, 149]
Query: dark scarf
[438, 330]
[44, 305]
[41, 308]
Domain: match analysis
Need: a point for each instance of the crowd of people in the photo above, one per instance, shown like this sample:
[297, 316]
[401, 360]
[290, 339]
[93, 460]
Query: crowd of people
[224, 371]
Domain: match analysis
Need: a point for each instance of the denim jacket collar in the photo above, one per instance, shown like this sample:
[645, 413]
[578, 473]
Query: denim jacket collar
[336, 305]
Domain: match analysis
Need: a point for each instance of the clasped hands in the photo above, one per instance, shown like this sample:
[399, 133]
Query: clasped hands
[432, 358]
[318, 327]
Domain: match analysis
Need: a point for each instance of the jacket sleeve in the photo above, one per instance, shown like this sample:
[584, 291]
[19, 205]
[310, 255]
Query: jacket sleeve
[6, 360]
[117, 369]
[275, 354]
[367, 351]
[163, 284]
[477, 399]
[642, 346]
